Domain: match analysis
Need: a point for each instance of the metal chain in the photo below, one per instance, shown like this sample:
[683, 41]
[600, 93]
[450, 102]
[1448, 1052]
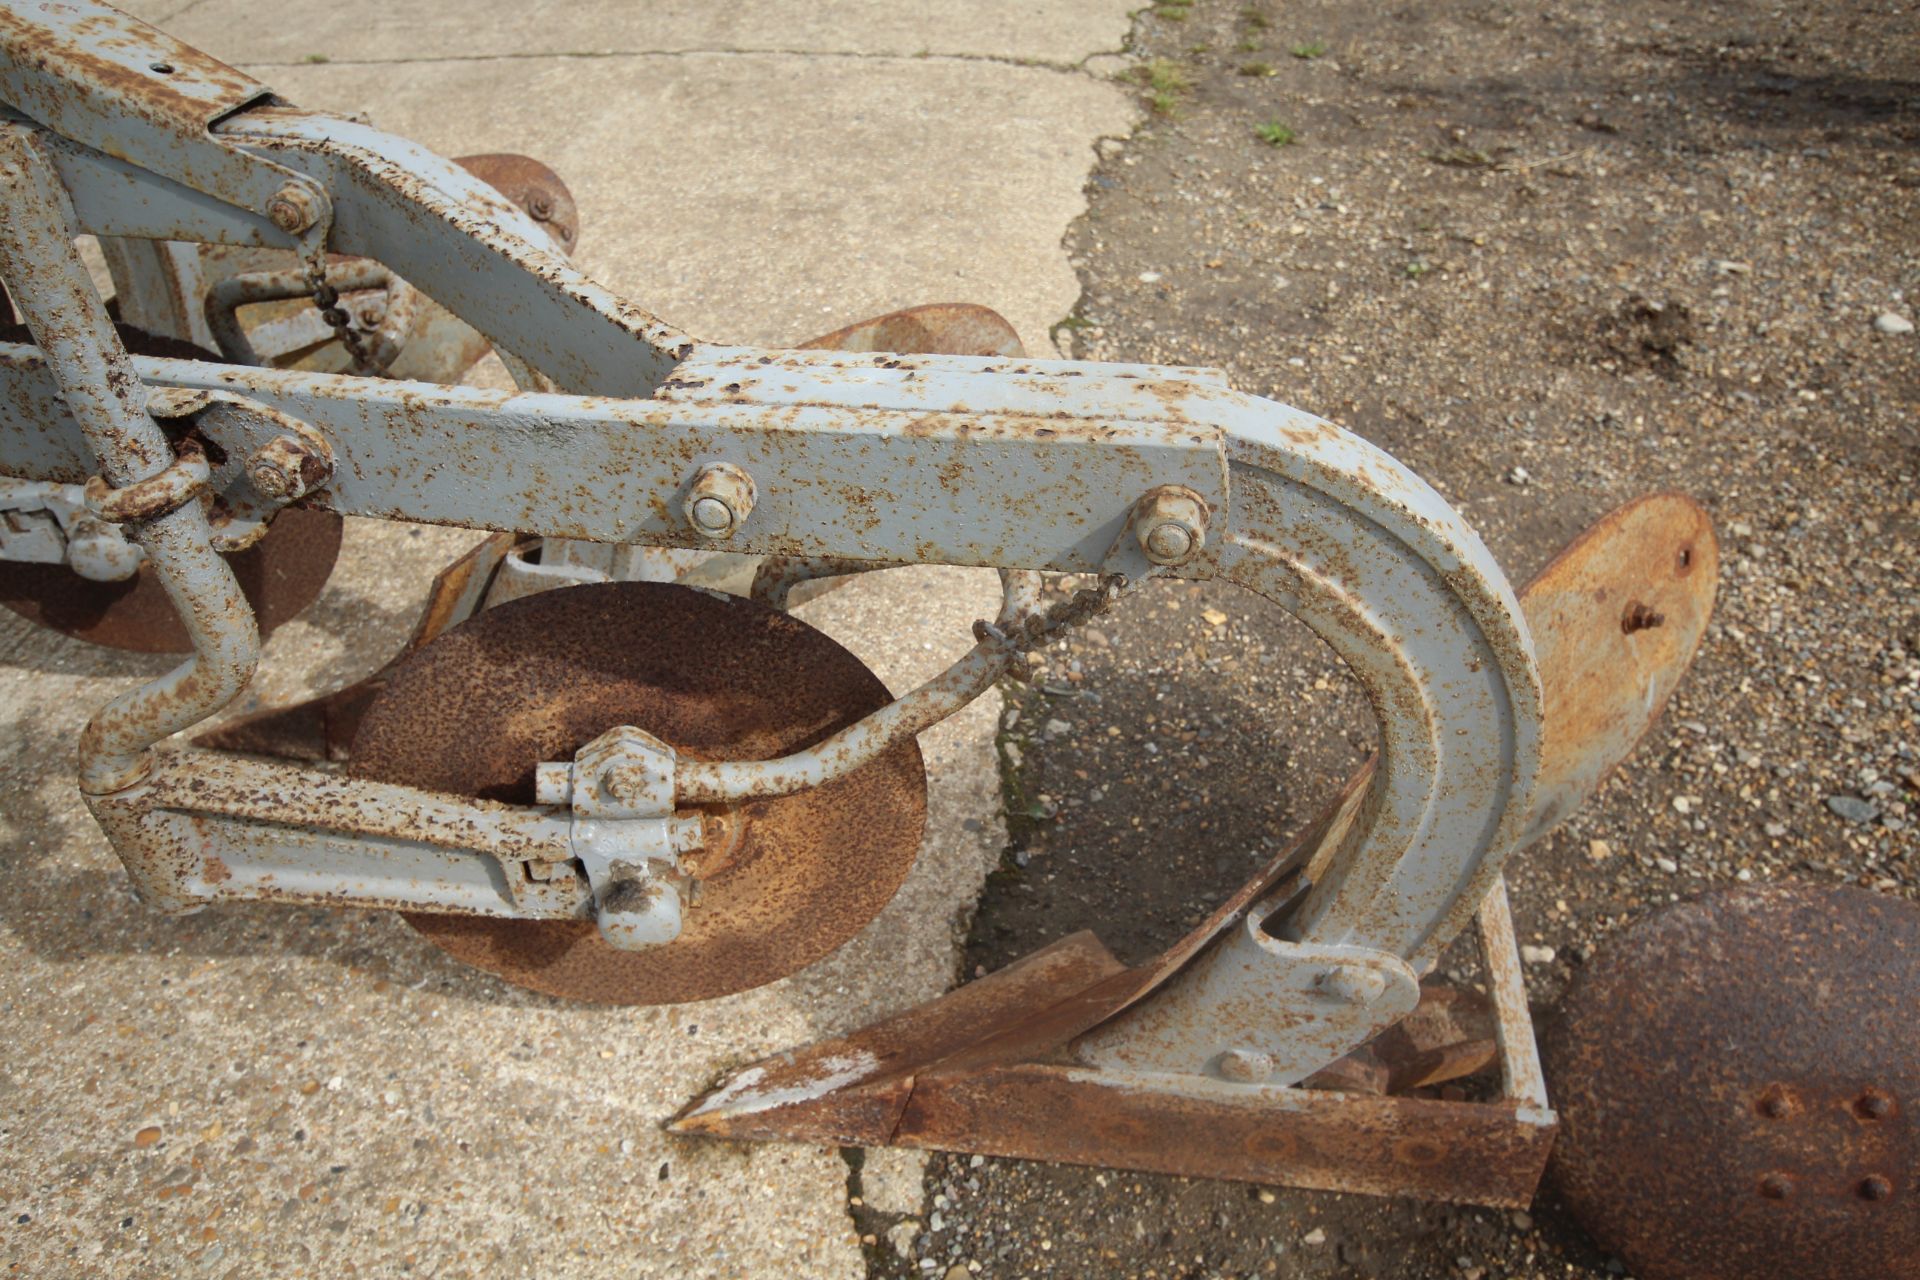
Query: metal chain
[327, 298]
[1024, 635]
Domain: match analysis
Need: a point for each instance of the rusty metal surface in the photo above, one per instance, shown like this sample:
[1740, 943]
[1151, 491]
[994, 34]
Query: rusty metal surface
[853, 1089]
[1738, 1077]
[204, 827]
[478, 254]
[1476, 1153]
[1521, 1078]
[124, 88]
[896, 1083]
[413, 337]
[1603, 710]
[280, 575]
[718, 678]
[532, 186]
[941, 1076]
[322, 728]
[1616, 618]
[943, 328]
[1449, 1035]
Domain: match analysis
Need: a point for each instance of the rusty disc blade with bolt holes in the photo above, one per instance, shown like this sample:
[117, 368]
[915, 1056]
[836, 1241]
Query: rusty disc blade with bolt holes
[718, 678]
[1737, 1079]
[281, 574]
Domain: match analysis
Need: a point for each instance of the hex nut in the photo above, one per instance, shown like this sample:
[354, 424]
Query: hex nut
[1171, 525]
[286, 468]
[293, 208]
[623, 771]
[719, 500]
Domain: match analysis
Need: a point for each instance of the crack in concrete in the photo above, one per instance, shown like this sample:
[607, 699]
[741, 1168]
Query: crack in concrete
[1031, 64]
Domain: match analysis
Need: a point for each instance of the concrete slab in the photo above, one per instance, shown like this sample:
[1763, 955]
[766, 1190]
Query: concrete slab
[764, 199]
[372, 31]
[271, 1092]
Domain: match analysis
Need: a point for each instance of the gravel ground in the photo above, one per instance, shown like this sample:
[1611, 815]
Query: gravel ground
[1553, 256]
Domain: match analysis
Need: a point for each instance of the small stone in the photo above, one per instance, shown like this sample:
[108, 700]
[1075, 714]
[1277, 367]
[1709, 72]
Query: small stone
[1522, 1220]
[1599, 850]
[1315, 1237]
[936, 1221]
[1727, 267]
[1519, 475]
[1774, 829]
[1684, 804]
[1537, 955]
[1149, 277]
[1853, 808]
[1667, 865]
[1214, 617]
[976, 1161]
[147, 1136]
[958, 1271]
[1266, 1196]
[900, 1235]
[1055, 728]
[1892, 322]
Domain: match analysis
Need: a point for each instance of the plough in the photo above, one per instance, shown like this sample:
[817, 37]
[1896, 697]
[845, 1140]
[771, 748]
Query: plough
[612, 767]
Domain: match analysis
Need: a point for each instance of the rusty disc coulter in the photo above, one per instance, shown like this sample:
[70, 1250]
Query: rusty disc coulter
[786, 881]
[1737, 1077]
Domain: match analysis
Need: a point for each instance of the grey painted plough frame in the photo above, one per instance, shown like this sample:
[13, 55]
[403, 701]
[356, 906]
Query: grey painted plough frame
[118, 130]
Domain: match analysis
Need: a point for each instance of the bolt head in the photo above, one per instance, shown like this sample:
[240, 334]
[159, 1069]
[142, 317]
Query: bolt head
[272, 480]
[627, 783]
[1169, 543]
[1875, 1187]
[1776, 1186]
[1353, 984]
[719, 500]
[1245, 1066]
[1171, 525]
[711, 515]
[291, 209]
[285, 469]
